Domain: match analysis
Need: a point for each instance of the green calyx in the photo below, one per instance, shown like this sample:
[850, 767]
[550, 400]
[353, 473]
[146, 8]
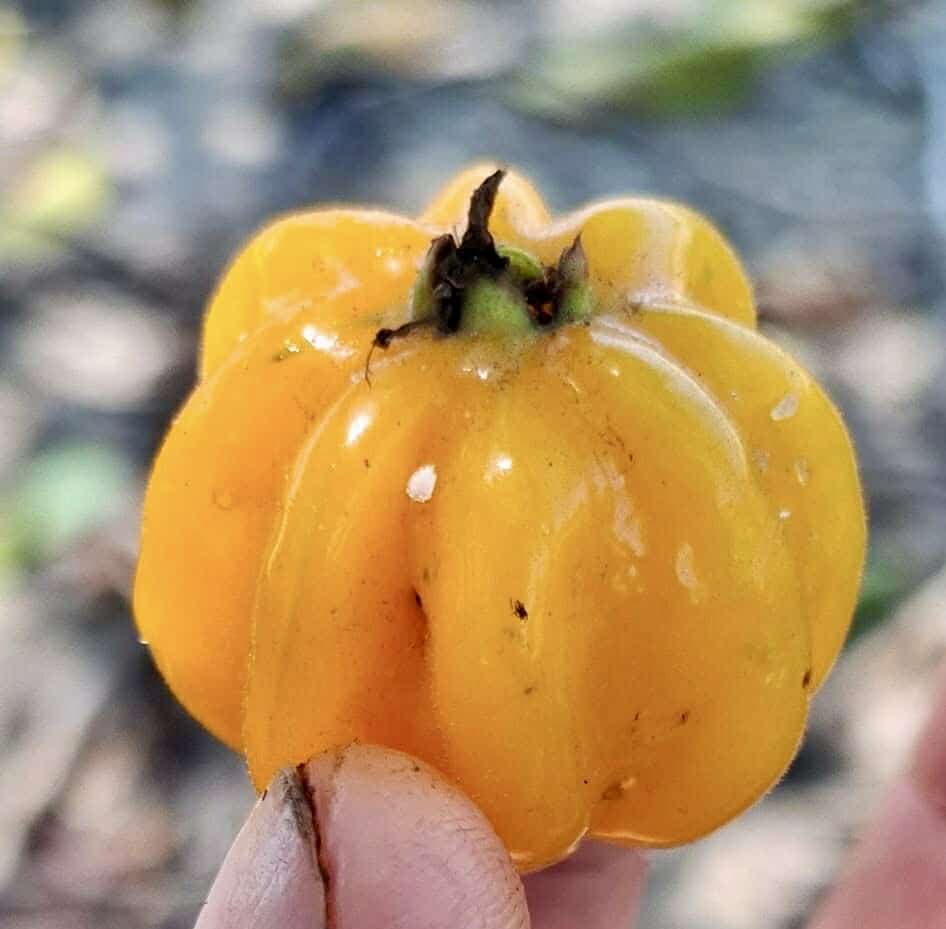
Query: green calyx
[493, 306]
[479, 286]
[521, 267]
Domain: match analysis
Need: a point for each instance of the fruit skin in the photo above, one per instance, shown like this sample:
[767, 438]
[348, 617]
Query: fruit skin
[592, 572]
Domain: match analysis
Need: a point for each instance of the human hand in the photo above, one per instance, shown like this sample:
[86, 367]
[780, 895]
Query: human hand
[368, 838]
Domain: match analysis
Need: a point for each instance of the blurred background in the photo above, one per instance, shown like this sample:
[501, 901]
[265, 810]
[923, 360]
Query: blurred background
[142, 140]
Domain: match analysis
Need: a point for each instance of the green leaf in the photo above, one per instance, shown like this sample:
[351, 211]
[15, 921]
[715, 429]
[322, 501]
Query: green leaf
[884, 586]
[62, 494]
[698, 62]
[62, 191]
[12, 33]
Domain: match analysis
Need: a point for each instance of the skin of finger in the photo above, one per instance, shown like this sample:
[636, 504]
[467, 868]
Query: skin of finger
[930, 767]
[897, 875]
[270, 876]
[399, 846]
[599, 886]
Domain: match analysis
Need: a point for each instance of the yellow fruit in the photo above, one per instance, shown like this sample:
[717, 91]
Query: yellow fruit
[575, 533]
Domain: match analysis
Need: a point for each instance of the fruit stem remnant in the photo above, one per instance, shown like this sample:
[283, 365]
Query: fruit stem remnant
[475, 285]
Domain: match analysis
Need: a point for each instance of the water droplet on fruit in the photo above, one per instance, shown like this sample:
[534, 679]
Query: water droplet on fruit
[786, 407]
[421, 484]
[325, 342]
[627, 526]
[686, 573]
[499, 465]
[223, 499]
[802, 471]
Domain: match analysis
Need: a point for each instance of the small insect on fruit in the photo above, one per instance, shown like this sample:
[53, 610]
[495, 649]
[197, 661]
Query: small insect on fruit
[536, 504]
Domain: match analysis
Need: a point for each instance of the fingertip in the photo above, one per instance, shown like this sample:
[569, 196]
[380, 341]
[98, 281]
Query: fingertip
[398, 845]
[270, 876]
[364, 838]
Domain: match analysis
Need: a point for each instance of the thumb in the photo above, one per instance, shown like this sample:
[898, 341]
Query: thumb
[364, 838]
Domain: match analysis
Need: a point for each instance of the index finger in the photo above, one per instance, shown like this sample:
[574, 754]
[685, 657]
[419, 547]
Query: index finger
[896, 877]
[598, 887]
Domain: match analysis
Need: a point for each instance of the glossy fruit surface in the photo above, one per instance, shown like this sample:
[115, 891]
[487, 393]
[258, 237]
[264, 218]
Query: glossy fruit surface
[592, 567]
